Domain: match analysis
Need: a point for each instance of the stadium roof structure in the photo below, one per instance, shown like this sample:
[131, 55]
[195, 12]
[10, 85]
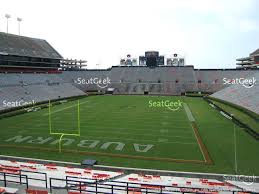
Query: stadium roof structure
[72, 64]
[256, 52]
[11, 44]
[252, 61]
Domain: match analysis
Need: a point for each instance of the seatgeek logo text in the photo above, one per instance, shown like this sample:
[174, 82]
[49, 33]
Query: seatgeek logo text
[247, 83]
[171, 105]
[100, 82]
[17, 103]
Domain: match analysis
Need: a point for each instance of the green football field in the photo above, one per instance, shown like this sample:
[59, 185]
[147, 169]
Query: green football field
[126, 131]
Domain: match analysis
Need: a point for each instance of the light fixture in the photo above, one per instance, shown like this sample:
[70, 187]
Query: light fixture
[7, 16]
[19, 22]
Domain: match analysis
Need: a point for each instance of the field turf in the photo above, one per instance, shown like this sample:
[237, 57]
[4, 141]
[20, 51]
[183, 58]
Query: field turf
[125, 131]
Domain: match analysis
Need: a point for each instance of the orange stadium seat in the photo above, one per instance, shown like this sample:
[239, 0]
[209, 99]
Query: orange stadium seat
[32, 191]
[51, 168]
[50, 164]
[134, 190]
[73, 173]
[133, 179]
[2, 190]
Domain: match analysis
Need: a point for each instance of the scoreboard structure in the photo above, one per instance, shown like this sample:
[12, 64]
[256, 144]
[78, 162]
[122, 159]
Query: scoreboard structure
[152, 59]
[175, 61]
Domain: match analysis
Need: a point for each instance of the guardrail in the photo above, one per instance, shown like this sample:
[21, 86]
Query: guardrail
[19, 177]
[79, 184]
[45, 180]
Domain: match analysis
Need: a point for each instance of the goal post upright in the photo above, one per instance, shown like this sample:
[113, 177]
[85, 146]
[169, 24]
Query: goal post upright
[78, 118]
[50, 124]
[78, 133]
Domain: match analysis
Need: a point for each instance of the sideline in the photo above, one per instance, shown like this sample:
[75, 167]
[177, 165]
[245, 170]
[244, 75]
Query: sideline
[203, 149]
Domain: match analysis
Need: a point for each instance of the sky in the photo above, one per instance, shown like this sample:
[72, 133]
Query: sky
[208, 33]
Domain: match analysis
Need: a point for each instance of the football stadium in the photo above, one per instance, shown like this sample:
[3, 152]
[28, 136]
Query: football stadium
[149, 124]
[129, 127]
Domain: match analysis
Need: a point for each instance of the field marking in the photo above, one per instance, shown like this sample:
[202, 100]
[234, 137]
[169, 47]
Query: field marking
[147, 113]
[67, 107]
[85, 102]
[68, 134]
[113, 128]
[163, 130]
[191, 119]
[154, 127]
[151, 135]
[202, 146]
[126, 139]
[126, 131]
[105, 154]
[205, 152]
[162, 140]
[188, 112]
[199, 143]
[173, 131]
[108, 132]
[132, 119]
[93, 120]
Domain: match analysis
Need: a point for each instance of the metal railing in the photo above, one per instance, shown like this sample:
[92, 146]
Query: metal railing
[14, 178]
[80, 184]
[45, 179]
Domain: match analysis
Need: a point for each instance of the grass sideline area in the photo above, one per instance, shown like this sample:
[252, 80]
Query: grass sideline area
[126, 131]
[240, 115]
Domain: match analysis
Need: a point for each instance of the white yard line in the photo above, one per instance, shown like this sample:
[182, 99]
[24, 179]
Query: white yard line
[191, 119]
[188, 113]
[129, 139]
[46, 114]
